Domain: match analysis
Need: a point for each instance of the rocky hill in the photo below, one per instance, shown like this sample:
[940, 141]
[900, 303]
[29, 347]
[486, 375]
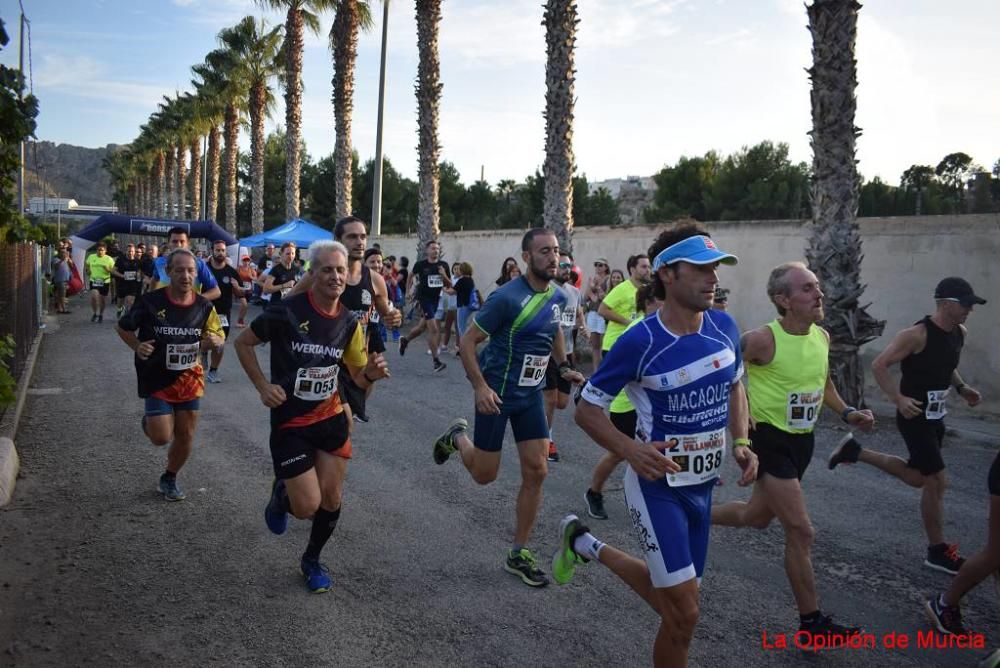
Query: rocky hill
[68, 171]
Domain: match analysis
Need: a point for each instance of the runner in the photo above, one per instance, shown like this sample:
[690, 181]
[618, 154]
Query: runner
[204, 282]
[147, 264]
[618, 307]
[788, 371]
[429, 276]
[927, 354]
[522, 321]
[685, 399]
[312, 336]
[281, 277]
[597, 290]
[557, 389]
[248, 276]
[173, 325]
[128, 274]
[229, 284]
[99, 265]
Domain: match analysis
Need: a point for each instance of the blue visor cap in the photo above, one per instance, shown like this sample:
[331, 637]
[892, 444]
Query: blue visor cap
[696, 250]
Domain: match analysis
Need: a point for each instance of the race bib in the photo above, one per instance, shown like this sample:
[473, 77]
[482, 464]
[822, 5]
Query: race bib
[698, 455]
[568, 319]
[129, 275]
[96, 283]
[803, 409]
[435, 281]
[248, 286]
[269, 264]
[224, 320]
[936, 404]
[181, 356]
[316, 383]
[533, 370]
[284, 292]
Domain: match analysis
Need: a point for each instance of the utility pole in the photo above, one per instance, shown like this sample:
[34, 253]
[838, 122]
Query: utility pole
[204, 177]
[376, 226]
[20, 97]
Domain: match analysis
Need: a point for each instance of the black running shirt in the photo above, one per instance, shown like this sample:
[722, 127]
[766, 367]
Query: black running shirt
[429, 279]
[226, 277]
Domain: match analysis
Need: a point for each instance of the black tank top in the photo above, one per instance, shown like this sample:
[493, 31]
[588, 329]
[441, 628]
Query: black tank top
[360, 298]
[931, 368]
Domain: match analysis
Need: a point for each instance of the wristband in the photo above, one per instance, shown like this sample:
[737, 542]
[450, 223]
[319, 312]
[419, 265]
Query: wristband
[847, 411]
[959, 387]
[370, 380]
[565, 366]
[745, 442]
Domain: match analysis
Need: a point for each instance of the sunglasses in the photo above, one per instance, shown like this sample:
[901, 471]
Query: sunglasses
[600, 264]
[565, 265]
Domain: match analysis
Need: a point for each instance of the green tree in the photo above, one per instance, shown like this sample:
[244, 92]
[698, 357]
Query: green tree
[451, 195]
[916, 179]
[954, 171]
[17, 123]
[757, 183]
[480, 210]
[601, 208]
[681, 190]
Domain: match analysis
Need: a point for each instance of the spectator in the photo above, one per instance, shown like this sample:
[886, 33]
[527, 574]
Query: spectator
[61, 273]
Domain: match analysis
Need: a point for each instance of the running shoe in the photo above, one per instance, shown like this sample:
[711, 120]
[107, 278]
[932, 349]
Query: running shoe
[275, 513]
[553, 455]
[944, 557]
[442, 350]
[317, 575]
[100, 318]
[846, 452]
[824, 627]
[523, 565]
[170, 490]
[93, 318]
[439, 366]
[565, 559]
[445, 445]
[595, 504]
[213, 377]
[945, 618]
[360, 417]
[403, 342]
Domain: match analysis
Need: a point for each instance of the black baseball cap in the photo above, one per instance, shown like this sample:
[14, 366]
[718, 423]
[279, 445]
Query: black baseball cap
[958, 290]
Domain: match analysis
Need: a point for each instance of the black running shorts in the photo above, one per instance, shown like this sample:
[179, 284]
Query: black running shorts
[293, 449]
[995, 476]
[781, 454]
[923, 439]
[554, 381]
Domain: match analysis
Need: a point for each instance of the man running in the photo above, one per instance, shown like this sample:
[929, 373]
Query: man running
[229, 284]
[147, 264]
[618, 307]
[429, 276]
[789, 382]
[128, 275]
[205, 283]
[248, 276]
[557, 389]
[99, 265]
[681, 368]
[312, 336]
[928, 355]
[174, 325]
[522, 320]
[282, 276]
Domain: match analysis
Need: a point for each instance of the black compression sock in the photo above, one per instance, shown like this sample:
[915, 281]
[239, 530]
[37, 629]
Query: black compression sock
[324, 522]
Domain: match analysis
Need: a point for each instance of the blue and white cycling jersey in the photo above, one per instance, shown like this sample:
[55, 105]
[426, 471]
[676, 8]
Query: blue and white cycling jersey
[679, 386]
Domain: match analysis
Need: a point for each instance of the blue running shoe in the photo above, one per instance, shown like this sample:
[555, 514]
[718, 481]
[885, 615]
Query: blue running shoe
[275, 513]
[170, 490]
[317, 575]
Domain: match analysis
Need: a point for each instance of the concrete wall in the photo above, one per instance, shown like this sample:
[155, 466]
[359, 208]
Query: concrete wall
[905, 257]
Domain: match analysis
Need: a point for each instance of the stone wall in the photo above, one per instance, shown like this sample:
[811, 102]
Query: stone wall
[905, 257]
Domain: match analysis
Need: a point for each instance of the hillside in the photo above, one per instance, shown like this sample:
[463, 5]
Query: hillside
[68, 171]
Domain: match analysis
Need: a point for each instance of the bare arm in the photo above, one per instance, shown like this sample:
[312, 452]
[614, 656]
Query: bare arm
[644, 459]
[271, 395]
[390, 316]
[739, 424]
[143, 349]
[612, 316]
[907, 342]
[487, 401]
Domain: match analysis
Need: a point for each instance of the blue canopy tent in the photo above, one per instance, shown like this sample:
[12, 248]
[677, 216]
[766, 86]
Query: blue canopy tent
[116, 224]
[300, 232]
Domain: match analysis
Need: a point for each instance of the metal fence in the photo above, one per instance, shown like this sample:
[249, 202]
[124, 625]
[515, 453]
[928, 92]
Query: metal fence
[20, 299]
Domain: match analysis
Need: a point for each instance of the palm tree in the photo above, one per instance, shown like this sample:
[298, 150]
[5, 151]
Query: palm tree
[351, 16]
[560, 39]
[223, 79]
[428, 100]
[211, 87]
[254, 52]
[834, 250]
[301, 14]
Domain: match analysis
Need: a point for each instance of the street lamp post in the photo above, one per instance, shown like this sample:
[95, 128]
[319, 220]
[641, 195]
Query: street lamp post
[377, 189]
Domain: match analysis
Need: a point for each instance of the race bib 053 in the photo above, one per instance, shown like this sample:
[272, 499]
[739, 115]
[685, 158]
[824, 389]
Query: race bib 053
[316, 383]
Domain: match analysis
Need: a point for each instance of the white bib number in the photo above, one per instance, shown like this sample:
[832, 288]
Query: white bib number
[247, 286]
[129, 275]
[569, 318]
[936, 404]
[181, 356]
[435, 281]
[316, 383]
[96, 283]
[224, 320]
[533, 370]
[803, 409]
[699, 456]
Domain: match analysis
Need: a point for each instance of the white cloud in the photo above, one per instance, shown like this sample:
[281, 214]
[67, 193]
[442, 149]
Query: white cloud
[85, 77]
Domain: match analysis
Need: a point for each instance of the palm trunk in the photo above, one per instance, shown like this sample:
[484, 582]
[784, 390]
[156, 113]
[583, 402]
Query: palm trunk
[560, 39]
[194, 148]
[344, 44]
[257, 101]
[142, 203]
[834, 251]
[293, 111]
[428, 101]
[161, 185]
[212, 196]
[171, 177]
[231, 131]
[182, 212]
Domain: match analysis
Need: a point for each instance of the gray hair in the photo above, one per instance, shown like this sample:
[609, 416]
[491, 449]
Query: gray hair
[178, 252]
[777, 282]
[325, 246]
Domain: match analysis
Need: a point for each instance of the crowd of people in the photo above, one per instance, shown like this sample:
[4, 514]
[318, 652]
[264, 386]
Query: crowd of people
[671, 384]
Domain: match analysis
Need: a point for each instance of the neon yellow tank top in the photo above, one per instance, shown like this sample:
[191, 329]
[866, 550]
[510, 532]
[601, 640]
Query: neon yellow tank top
[787, 393]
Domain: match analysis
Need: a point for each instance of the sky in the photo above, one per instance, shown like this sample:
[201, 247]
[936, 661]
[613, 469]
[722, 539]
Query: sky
[656, 79]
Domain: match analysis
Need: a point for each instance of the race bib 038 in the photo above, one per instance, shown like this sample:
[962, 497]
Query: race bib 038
[698, 455]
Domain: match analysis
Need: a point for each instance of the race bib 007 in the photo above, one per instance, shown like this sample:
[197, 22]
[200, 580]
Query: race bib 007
[181, 356]
[698, 455]
[936, 404]
[533, 370]
[803, 409]
[316, 383]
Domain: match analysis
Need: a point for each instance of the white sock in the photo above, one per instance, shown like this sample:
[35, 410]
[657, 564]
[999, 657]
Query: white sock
[551, 431]
[587, 546]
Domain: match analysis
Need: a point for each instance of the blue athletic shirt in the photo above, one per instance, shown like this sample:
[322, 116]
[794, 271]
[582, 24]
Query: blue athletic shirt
[679, 386]
[521, 324]
[204, 280]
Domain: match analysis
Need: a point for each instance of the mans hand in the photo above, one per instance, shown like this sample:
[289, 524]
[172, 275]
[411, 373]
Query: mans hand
[909, 407]
[272, 396]
[377, 367]
[647, 460]
[971, 395]
[573, 376]
[144, 350]
[863, 419]
[394, 318]
[487, 401]
[215, 341]
[747, 459]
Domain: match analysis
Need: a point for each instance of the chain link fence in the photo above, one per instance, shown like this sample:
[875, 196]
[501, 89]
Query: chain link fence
[20, 299]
